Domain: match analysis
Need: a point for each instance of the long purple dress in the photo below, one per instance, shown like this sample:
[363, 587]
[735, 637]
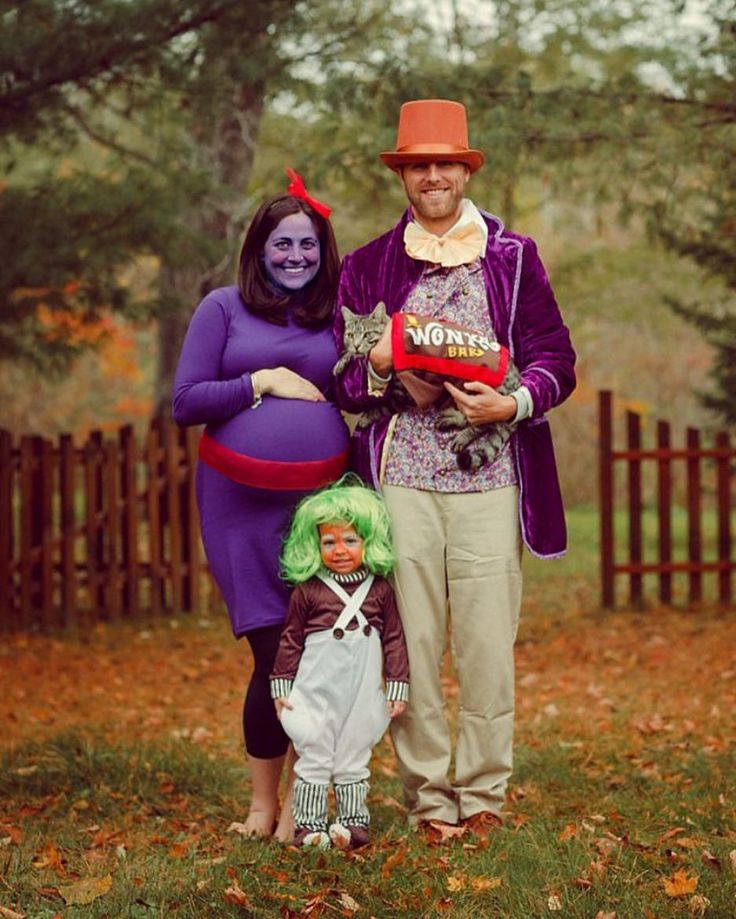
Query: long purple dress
[243, 526]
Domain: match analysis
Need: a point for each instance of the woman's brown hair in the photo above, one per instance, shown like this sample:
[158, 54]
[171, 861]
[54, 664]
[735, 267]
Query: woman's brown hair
[315, 303]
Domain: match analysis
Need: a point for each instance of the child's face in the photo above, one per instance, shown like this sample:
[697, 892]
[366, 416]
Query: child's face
[340, 546]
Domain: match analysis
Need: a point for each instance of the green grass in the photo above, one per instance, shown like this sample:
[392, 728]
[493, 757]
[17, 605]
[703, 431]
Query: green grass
[599, 821]
[592, 828]
[573, 582]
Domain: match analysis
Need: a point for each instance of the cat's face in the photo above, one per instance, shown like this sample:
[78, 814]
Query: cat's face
[362, 332]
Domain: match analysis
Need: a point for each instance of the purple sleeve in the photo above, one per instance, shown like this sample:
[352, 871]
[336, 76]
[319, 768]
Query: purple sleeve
[544, 354]
[352, 384]
[200, 395]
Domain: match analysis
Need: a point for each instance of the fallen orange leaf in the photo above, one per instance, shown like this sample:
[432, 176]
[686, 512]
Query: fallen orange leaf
[281, 876]
[479, 884]
[50, 857]
[392, 861]
[234, 893]
[685, 842]
[10, 914]
[439, 832]
[181, 849]
[710, 860]
[680, 884]
[82, 892]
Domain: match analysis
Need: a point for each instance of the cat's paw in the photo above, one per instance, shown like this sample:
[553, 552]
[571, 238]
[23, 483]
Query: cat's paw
[462, 440]
[471, 460]
[451, 419]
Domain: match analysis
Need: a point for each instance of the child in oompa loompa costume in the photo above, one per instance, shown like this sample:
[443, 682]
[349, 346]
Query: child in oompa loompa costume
[341, 639]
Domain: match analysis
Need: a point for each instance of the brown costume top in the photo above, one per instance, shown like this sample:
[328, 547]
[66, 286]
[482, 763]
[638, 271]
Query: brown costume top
[313, 607]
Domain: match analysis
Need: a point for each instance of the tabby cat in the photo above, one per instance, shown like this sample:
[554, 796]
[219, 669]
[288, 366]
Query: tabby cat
[473, 445]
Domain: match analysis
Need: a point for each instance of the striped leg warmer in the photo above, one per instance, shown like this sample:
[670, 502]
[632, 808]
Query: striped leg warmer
[310, 805]
[351, 806]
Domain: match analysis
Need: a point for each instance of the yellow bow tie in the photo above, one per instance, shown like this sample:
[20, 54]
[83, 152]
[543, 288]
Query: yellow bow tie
[459, 246]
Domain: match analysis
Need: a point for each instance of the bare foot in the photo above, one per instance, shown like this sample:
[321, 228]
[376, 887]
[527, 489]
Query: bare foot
[284, 831]
[259, 823]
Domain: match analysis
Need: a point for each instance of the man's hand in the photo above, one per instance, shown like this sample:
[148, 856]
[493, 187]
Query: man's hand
[481, 404]
[281, 703]
[396, 708]
[380, 354]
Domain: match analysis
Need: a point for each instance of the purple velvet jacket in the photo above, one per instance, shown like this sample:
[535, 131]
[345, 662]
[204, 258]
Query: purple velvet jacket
[525, 318]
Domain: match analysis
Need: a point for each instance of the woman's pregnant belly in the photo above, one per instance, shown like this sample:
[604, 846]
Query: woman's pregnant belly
[283, 443]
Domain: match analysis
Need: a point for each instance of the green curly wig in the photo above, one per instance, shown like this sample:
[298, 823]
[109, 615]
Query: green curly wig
[347, 500]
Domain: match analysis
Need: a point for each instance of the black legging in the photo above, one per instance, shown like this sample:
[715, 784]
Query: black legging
[264, 736]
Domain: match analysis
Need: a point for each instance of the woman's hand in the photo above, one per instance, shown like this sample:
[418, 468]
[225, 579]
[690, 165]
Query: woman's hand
[281, 703]
[396, 708]
[285, 384]
[380, 355]
[481, 404]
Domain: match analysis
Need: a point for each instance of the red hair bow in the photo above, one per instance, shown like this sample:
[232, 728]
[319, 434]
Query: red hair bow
[297, 189]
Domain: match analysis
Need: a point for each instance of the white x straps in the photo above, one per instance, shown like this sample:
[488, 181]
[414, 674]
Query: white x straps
[352, 603]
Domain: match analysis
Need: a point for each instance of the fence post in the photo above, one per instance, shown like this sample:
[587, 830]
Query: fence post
[45, 529]
[26, 498]
[7, 593]
[605, 439]
[723, 497]
[129, 493]
[664, 511]
[173, 512]
[67, 496]
[694, 537]
[633, 430]
[111, 532]
[153, 507]
[93, 513]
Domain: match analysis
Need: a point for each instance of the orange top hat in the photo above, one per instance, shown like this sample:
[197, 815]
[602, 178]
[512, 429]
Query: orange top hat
[432, 129]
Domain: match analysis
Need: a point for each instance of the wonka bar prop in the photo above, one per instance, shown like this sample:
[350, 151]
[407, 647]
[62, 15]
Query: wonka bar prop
[428, 351]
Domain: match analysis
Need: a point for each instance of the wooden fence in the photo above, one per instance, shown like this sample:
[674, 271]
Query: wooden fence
[694, 479]
[106, 530]
[109, 529]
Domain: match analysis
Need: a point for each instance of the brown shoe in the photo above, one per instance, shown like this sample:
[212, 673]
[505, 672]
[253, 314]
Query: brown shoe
[483, 823]
[437, 832]
[359, 836]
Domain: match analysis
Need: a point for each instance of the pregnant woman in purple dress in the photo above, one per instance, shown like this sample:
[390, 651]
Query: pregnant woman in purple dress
[256, 369]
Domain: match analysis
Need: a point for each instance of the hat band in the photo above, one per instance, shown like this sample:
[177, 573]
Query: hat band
[432, 148]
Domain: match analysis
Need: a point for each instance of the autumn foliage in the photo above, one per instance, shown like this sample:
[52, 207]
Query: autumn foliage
[124, 783]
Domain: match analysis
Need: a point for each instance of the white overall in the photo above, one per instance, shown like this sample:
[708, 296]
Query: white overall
[339, 707]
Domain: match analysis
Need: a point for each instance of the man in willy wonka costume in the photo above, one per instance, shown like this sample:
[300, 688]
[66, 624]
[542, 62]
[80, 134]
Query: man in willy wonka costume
[458, 532]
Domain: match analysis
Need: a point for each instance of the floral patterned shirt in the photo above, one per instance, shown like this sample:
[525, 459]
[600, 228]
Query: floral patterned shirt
[419, 455]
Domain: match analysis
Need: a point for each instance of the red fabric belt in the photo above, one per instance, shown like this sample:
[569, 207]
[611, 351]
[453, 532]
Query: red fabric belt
[277, 476]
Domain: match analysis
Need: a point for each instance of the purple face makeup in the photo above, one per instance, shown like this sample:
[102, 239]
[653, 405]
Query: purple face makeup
[291, 255]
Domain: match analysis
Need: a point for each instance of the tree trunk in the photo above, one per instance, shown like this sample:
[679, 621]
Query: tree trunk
[230, 149]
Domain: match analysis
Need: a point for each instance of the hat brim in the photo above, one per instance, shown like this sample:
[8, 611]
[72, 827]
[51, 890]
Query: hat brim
[473, 159]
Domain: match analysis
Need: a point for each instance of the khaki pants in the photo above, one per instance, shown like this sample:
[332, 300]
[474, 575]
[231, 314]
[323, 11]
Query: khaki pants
[457, 554]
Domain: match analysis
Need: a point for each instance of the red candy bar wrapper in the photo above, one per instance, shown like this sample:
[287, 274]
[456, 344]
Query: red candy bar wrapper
[428, 351]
